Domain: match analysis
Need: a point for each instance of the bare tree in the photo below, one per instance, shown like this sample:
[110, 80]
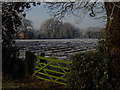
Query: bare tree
[51, 28]
[55, 29]
[92, 32]
[68, 30]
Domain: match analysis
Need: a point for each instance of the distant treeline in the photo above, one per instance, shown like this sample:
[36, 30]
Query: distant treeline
[64, 30]
[55, 29]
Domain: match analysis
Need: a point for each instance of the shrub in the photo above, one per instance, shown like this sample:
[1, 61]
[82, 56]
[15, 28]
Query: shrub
[90, 71]
[11, 64]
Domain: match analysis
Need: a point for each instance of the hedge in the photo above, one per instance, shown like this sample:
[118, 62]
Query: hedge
[90, 71]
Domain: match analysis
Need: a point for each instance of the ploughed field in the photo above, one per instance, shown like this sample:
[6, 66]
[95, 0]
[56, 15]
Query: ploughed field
[56, 48]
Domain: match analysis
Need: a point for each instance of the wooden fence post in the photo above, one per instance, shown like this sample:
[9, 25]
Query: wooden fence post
[29, 64]
[43, 55]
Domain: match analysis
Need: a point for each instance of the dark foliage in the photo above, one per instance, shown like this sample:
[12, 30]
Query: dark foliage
[11, 64]
[11, 19]
[91, 71]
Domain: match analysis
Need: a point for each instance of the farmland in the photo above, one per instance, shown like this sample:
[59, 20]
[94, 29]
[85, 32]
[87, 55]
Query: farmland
[56, 48]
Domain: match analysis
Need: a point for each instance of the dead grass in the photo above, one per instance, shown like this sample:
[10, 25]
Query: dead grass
[30, 83]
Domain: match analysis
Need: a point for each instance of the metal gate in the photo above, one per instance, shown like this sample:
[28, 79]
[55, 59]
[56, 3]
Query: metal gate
[54, 70]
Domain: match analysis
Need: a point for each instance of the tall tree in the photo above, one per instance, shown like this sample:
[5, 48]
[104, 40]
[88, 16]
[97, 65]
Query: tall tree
[51, 28]
[11, 20]
[68, 30]
[56, 29]
[113, 34]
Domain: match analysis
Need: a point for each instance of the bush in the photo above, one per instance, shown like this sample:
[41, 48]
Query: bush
[11, 64]
[90, 71]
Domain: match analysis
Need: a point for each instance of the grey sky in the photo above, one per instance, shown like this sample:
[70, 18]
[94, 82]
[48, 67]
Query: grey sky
[38, 14]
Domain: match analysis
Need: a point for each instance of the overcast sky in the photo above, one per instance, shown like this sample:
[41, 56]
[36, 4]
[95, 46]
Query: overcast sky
[38, 14]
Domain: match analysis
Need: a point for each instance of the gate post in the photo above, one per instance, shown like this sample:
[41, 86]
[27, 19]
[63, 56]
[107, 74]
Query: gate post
[29, 64]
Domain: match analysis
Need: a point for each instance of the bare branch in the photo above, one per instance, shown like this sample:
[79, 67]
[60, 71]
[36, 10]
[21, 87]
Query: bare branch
[60, 10]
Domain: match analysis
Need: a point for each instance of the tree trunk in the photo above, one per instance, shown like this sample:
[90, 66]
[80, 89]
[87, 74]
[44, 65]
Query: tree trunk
[113, 35]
